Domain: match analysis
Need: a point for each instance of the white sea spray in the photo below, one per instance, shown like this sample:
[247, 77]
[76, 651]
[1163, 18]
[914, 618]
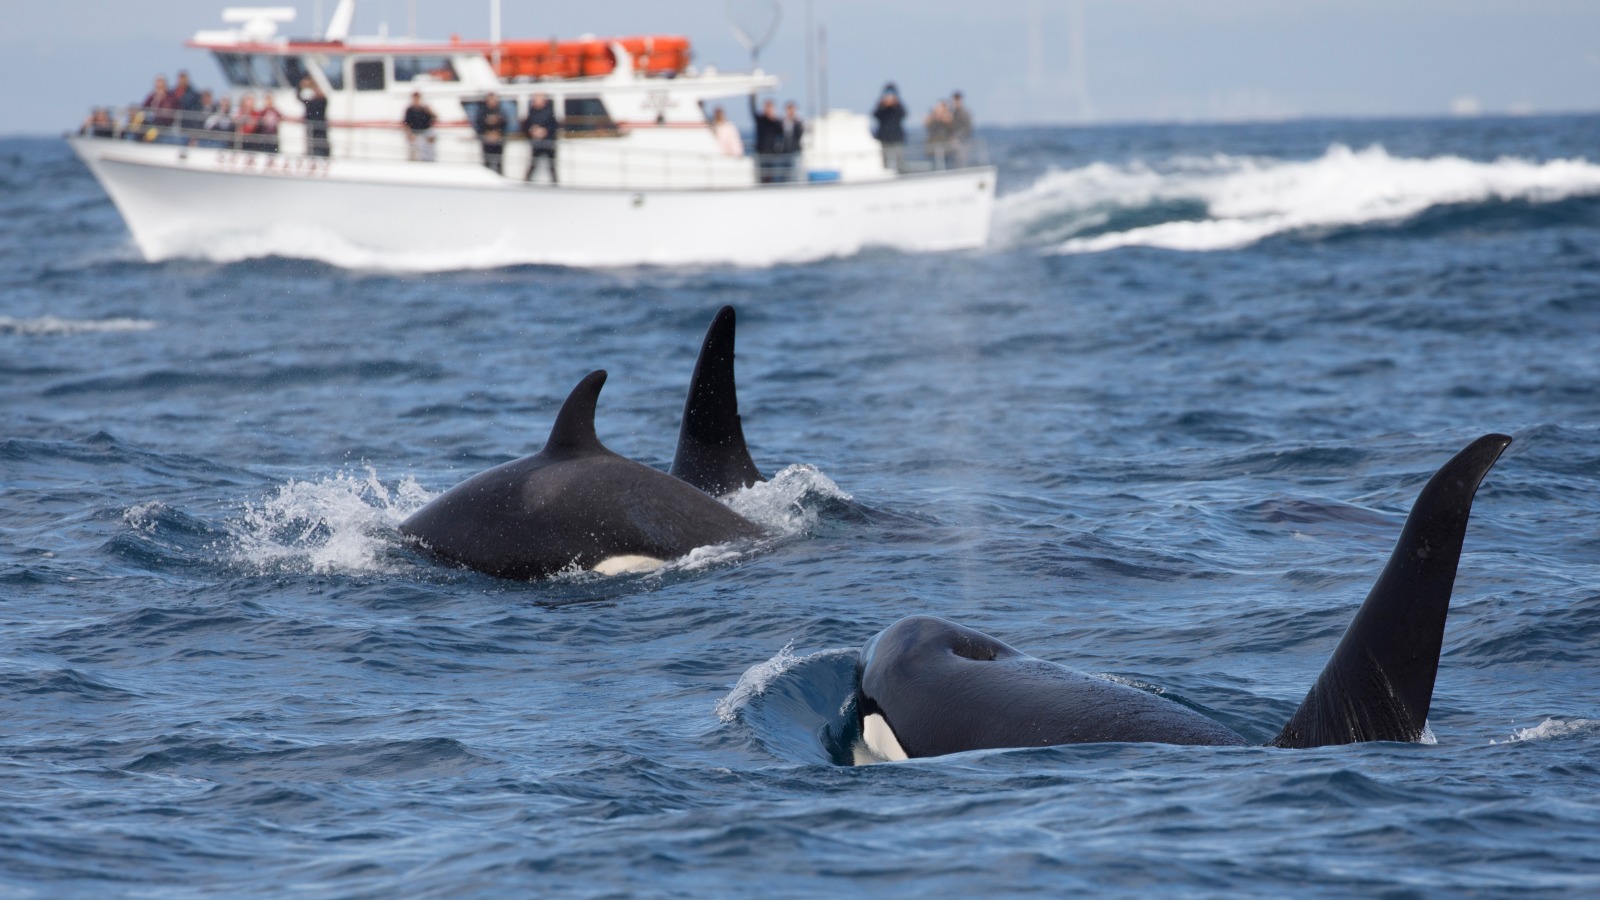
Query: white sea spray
[1549, 728]
[339, 523]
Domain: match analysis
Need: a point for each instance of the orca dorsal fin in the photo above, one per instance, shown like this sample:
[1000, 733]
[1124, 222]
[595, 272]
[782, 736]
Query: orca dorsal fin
[573, 432]
[1379, 683]
[711, 452]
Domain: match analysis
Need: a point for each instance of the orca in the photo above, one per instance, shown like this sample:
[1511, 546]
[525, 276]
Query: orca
[574, 504]
[711, 452]
[927, 687]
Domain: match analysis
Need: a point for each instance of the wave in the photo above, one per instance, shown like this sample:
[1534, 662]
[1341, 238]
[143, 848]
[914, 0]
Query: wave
[1227, 202]
[799, 708]
[55, 326]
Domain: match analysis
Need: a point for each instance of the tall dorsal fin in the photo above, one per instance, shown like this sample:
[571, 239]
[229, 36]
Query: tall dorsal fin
[574, 428]
[711, 452]
[1379, 683]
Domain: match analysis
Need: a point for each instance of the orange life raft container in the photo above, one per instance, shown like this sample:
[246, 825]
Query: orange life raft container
[652, 55]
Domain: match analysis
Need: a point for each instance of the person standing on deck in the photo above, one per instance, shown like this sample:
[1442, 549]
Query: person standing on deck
[769, 133]
[891, 132]
[267, 125]
[542, 130]
[158, 112]
[316, 104]
[790, 133]
[419, 121]
[726, 134]
[960, 131]
[490, 124]
[937, 126]
[191, 112]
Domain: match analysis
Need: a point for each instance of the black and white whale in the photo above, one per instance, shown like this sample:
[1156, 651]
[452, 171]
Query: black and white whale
[572, 505]
[576, 504]
[929, 687]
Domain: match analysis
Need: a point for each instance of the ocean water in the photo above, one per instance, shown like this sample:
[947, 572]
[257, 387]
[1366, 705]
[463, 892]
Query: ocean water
[1165, 429]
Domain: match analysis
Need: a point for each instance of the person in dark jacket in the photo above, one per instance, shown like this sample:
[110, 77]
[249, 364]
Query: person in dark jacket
[419, 121]
[191, 111]
[490, 124]
[316, 104]
[790, 132]
[542, 130]
[891, 132]
[769, 134]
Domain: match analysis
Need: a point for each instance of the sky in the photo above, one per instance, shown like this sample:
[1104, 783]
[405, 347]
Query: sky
[1017, 61]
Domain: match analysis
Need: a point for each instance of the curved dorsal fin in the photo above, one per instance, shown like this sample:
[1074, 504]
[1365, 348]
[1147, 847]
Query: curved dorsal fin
[1379, 683]
[574, 428]
[711, 451]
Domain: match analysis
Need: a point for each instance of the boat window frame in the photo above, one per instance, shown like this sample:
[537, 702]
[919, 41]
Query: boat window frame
[582, 121]
[235, 69]
[358, 63]
[409, 68]
[263, 71]
[332, 69]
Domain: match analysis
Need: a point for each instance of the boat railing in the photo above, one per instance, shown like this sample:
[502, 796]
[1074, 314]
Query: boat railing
[584, 158]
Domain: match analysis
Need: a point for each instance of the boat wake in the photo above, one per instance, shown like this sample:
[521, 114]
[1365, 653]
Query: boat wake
[1225, 202]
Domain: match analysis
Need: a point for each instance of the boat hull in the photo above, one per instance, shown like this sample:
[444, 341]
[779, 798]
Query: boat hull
[191, 202]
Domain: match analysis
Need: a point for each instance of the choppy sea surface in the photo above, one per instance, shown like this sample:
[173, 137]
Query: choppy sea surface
[1164, 429]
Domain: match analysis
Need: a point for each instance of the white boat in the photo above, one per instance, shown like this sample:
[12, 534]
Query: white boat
[642, 178]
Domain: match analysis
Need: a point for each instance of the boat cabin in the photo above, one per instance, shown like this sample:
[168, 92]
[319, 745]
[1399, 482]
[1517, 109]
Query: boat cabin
[633, 111]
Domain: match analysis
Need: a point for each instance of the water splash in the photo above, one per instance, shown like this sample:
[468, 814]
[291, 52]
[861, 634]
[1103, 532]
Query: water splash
[1548, 729]
[1226, 202]
[145, 517]
[343, 523]
[791, 503]
[754, 682]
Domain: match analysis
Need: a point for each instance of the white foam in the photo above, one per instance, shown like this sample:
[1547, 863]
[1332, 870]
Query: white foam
[55, 326]
[1550, 728]
[142, 517]
[753, 683]
[1246, 199]
[343, 523]
[788, 504]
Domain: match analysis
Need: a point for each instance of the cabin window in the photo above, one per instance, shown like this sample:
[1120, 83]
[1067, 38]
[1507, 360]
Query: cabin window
[290, 70]
[261, 71]
[369, 74]
[235, 69]
[586, 115]
[423, 68]
[332, 69]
